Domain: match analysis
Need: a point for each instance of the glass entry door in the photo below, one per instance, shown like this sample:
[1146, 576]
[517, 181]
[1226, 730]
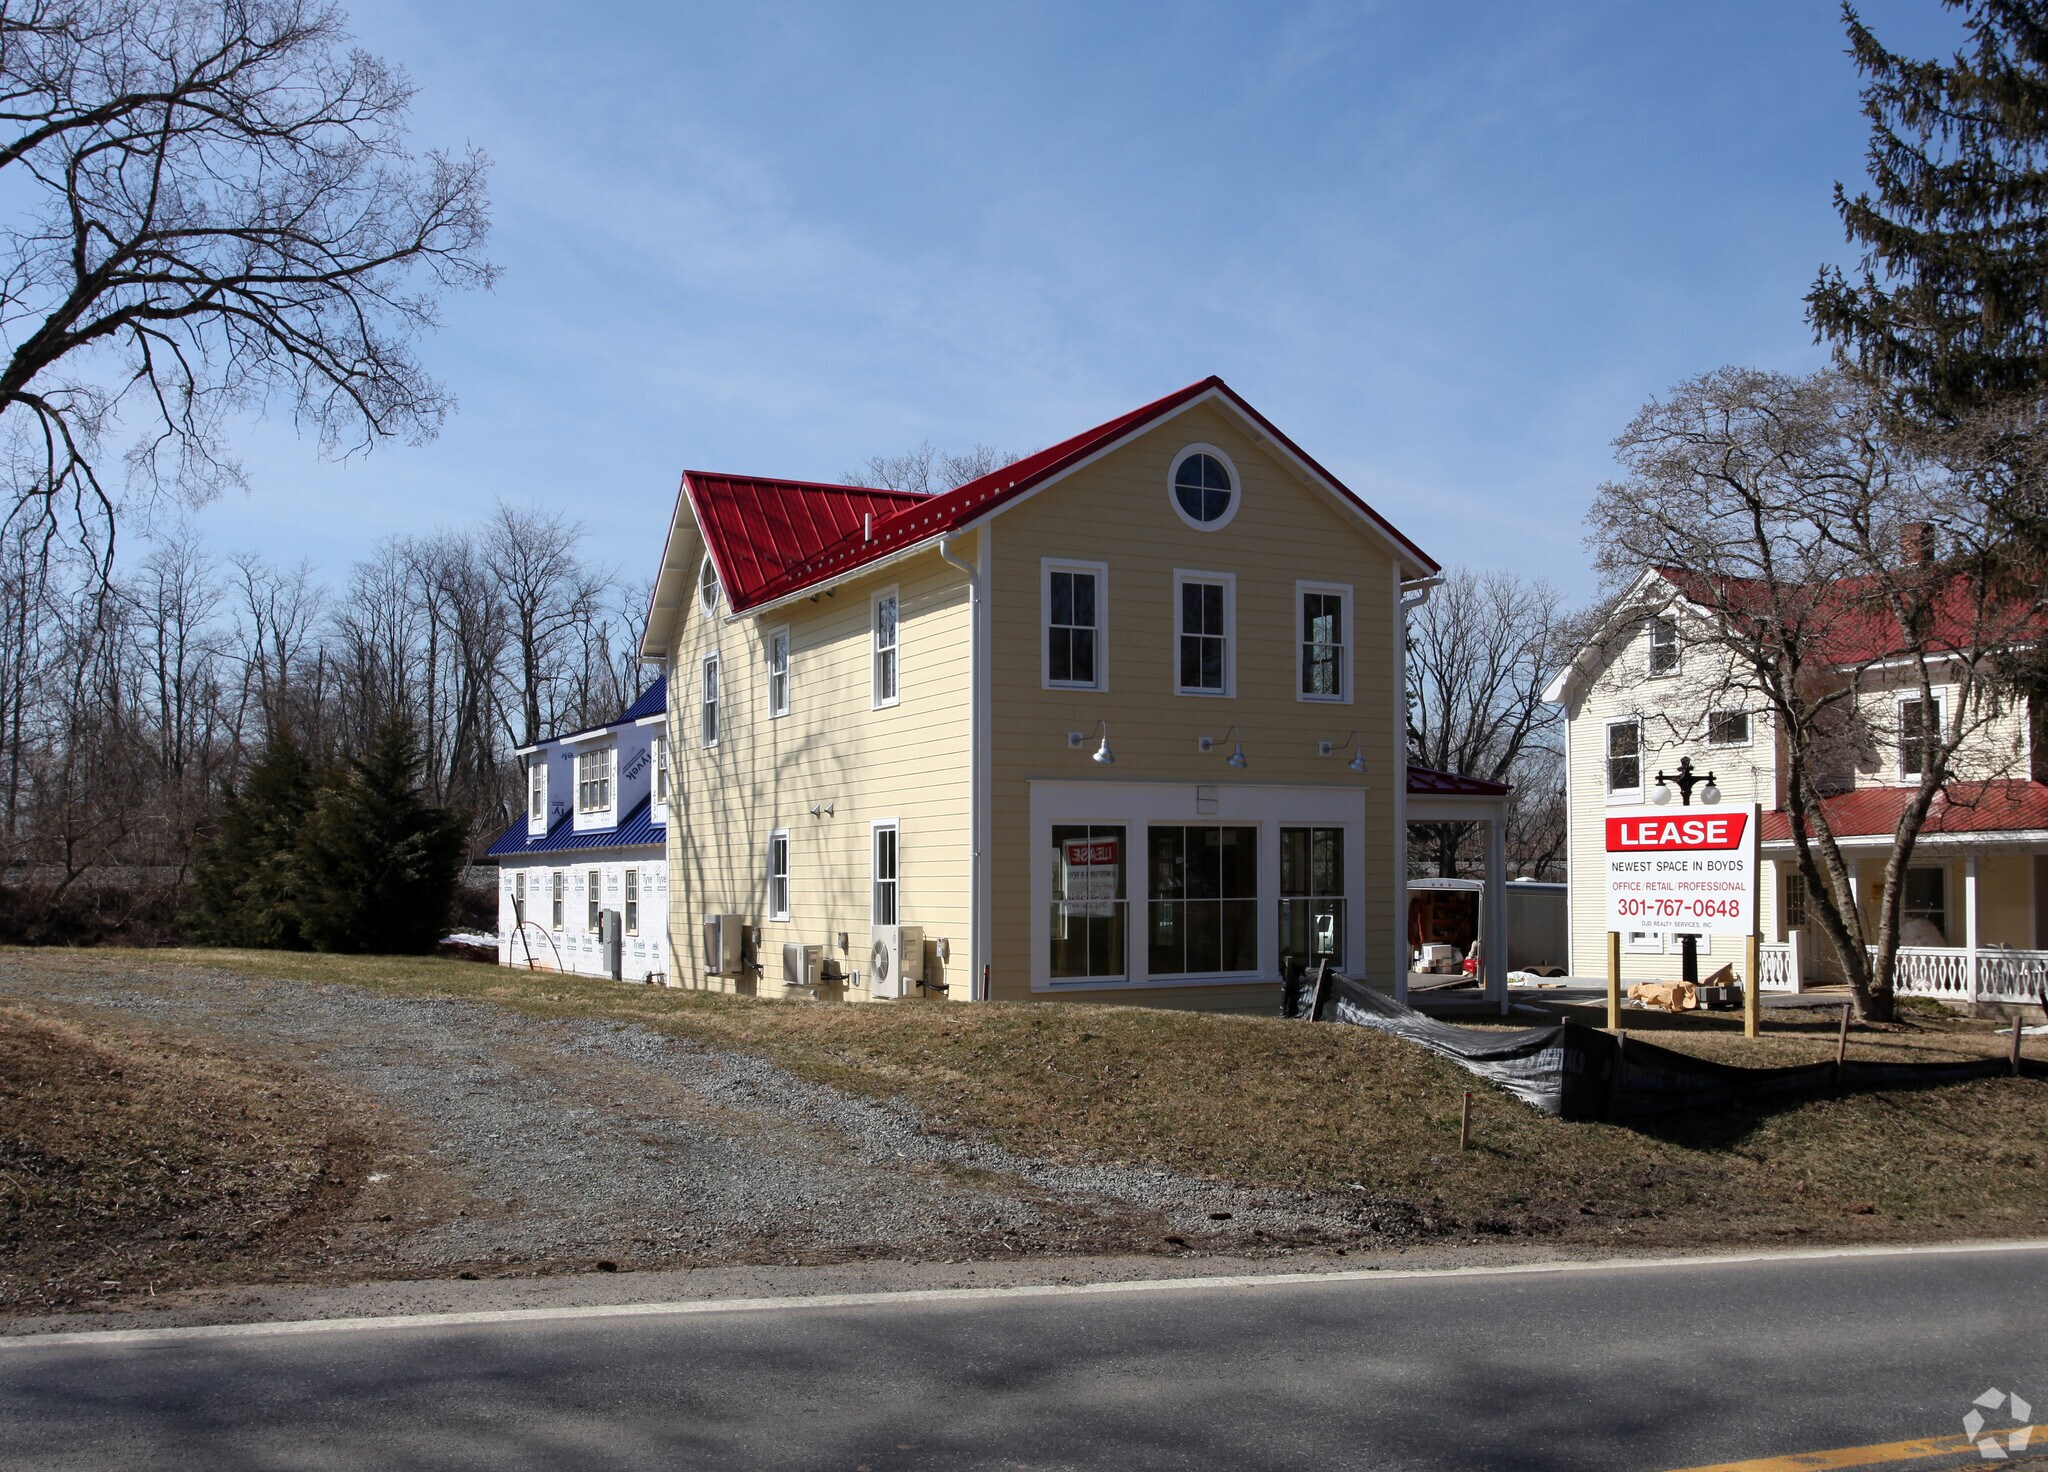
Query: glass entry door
[1312, 895]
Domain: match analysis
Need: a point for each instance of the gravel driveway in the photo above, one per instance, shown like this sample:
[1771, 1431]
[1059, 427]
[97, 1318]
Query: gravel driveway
[533, 1142]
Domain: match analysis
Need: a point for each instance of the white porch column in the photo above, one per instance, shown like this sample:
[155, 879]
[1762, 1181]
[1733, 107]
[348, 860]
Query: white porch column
[1970, 919]
[1495, 947]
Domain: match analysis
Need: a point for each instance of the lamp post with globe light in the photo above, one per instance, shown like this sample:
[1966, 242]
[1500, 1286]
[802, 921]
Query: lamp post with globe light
[1685, 779]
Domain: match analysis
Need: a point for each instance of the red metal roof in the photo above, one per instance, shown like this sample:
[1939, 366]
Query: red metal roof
[1429, 782]
[758, 529]
[2002, 806]
[779, 563]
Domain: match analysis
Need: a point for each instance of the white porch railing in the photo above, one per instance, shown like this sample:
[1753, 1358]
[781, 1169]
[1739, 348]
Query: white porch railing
[1945, 973]
[1777, 965]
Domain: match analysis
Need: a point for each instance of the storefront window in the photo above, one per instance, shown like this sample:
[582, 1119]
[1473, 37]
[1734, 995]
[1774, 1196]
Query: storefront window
[1090, 904]
[1312, 894]
[1203, 888]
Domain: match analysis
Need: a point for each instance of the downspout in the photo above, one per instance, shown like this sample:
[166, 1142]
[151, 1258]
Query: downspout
[977, 765]
[1408, 597]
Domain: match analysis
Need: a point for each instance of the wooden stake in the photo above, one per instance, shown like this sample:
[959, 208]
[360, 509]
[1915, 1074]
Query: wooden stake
[1614, 1079]
[1614, 981]
[1465, 1122]
[1315, 1004]
[1842, 1045]
[2015, 1045]
[984, 984]
[1753, 993]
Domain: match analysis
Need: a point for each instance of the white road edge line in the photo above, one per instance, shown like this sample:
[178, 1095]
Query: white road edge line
[887, 1297]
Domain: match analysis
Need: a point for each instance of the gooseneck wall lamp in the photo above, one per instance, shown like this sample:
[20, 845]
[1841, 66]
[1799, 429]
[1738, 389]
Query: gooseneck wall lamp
[1236, 757]
[1329, 748]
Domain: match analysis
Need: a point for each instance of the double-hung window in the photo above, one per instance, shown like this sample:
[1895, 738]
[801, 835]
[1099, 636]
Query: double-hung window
[1624, 757]
[707, 707]
[1663, 645]
[885, 874]
[778, 672]
[519, 896]
[1919, 735]
[885, 650]
[594, 779]
[661, 771]
[537, 790]
[1205, 610]
[593, 897]
[1075, 625]
[1728, 728]
[632, 902]
[558, 884]
[778, 874]
[1202, 888]
[1322, 616]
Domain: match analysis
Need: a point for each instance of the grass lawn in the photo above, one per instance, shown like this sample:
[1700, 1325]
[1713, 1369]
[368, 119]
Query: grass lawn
[1291, 1106]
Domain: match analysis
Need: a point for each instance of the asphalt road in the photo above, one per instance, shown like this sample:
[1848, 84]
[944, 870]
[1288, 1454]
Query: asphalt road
[1642, 1366]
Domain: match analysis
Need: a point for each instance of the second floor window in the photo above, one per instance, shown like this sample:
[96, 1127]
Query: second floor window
[1728, 728]
[1919, 736]
[885, 649]
[1322, 644]
[778, 673]
[1625, 756]
[707, 714]
[661, 771]
[537, 791]
[1663, 645]
[1073, 625]
[1203, 665]
[594, 780]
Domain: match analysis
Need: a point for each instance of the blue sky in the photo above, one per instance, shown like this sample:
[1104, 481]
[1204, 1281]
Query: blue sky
[1449, 248]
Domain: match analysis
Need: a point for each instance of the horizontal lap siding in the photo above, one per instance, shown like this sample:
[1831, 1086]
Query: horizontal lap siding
[1117, 512]
[909, 762]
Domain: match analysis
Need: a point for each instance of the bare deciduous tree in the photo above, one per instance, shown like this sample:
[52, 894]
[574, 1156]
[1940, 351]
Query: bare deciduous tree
[1824, 572]
[547, 595]
[219, 210]
[927, 470]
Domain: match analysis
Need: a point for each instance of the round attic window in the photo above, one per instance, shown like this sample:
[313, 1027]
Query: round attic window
[707, 586]
[1203, 485]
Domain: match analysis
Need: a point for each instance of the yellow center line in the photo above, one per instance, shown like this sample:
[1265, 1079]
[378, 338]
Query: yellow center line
[1870, 1456]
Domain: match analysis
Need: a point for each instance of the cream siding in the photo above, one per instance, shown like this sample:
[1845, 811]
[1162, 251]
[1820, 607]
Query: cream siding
[1117, 511]
[908, 762]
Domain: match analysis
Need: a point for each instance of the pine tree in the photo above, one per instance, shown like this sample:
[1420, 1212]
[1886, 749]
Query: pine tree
[1948, 309]
[245, 887]
[378, 864]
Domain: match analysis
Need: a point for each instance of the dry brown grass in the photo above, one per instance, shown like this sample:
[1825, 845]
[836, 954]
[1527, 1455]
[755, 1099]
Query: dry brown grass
[130, 1160]
[1288, 1106]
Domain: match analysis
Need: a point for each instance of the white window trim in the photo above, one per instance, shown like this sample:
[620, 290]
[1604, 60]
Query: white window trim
[1343, 590]
[558, 899]
[663, 781]
[1182, 577]
[875, 700]
[1643, 943]
[629, 900]
[1900, 700]
[1624, 796]
[875, 880]
[716, 590]
[782, 835]
[781, 631]
[1236, 488]
[1650, 670]
[1750, 728]
[711, 696]
[1047, 566]
[593, 900]
[537, 802]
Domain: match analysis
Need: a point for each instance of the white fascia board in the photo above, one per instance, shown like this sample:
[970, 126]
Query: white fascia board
[584, 738]
[652, 720]
[665, 595]
[813, 590]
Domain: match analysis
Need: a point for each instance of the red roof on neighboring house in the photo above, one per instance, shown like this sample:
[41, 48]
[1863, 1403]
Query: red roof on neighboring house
[763, 558]
[2002, 806]
[758, 529]
[1856, 622]
[1429, 782]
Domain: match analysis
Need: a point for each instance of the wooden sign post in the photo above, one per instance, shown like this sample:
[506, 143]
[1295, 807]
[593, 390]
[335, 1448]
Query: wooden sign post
[1613, 980]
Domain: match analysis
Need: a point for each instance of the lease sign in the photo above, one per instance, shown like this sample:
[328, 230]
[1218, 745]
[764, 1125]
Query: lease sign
[1691, 869]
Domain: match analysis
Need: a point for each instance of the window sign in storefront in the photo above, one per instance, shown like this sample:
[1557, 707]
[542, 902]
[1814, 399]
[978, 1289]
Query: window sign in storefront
[1090, 908]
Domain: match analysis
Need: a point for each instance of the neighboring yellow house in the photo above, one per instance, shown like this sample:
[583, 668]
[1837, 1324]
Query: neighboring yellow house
[1120, 721]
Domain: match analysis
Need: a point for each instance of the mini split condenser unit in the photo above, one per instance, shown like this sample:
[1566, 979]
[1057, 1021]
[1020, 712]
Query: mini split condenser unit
[802, 965]
[898, 960]
[723, 939]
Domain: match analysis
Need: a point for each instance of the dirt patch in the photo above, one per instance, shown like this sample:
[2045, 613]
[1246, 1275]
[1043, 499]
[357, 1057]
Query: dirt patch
[132, 1162]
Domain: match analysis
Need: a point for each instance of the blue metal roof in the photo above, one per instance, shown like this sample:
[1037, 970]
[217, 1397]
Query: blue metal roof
[639, 829]
[653, 701]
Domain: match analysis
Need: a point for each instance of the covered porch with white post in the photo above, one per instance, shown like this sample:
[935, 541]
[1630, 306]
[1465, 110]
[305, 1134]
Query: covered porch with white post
[1447, 797]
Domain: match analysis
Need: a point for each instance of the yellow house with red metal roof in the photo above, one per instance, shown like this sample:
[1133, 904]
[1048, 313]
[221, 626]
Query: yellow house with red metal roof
[1121, 721]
